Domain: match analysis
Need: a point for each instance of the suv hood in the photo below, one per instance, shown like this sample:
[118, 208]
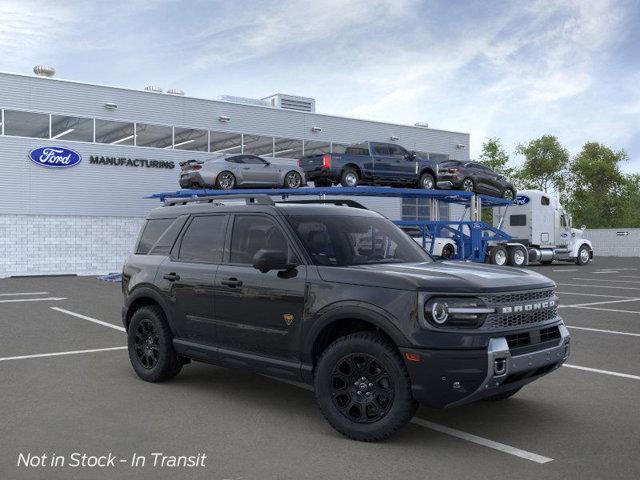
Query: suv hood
[446, 276]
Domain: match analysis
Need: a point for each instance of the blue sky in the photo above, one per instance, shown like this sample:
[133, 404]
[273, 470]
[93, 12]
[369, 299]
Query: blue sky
[515, 70]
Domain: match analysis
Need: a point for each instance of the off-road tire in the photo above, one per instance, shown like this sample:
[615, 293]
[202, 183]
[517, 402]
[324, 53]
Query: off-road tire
[380, 354]
[502, 396]
[425, 178]
[167, 364]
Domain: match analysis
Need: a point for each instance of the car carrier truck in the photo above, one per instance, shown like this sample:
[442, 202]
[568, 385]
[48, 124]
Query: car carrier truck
[539, 226]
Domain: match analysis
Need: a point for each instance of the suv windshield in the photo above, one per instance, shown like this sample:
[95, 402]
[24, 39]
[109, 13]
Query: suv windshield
[340, 240]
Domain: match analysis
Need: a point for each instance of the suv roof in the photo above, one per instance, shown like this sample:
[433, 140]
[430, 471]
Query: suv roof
[281, 208]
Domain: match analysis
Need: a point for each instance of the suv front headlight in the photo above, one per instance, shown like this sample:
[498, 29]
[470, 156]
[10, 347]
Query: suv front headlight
[455, 312]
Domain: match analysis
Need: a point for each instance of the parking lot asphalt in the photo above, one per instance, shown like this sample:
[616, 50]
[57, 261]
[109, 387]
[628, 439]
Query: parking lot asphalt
[581, 421]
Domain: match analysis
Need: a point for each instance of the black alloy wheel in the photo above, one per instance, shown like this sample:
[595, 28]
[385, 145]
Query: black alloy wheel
[146, 344]
[448, 251]
[361, 388]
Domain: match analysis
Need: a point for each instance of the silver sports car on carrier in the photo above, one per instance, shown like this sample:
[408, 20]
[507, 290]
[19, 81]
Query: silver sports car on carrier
[231, 171]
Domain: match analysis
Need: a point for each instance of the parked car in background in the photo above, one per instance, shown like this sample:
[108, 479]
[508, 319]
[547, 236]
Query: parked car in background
[442, 247]
[474, 177]
[230, 171]
[371, 163]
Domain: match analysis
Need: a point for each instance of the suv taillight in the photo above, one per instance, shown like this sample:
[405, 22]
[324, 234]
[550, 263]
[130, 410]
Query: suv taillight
[326, 161]
[299, 162]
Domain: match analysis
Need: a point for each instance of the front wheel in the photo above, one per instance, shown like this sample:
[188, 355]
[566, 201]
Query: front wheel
[508, 194]
[448, 251]
[363, 388]
[584, 255]
[468, 185]
[427, 181]
[292, 180]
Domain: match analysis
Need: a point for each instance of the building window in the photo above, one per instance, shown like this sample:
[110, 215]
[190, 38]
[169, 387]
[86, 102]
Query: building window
[287, 148]
[114, 133]
[72, 128]
[191, 139]
[224, 142]
[419, 209]
[26, 124]
[157, 136]
[258, 145]
[316, 148]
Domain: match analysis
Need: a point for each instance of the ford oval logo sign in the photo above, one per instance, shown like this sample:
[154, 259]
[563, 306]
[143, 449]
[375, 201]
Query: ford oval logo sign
[55, 157]
[521, 200]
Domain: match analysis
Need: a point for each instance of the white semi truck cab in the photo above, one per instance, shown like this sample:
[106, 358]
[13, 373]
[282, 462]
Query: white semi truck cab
[540, 224]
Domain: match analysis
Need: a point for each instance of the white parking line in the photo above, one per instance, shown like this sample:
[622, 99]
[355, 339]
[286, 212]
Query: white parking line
[606, 372]
[43, 299]
[599, 330]
[605, 280]
[485, 442]
[22, 293]
[534, 457]
[604, 272]
[566, 270]
[610, 310]
[592, 294]
[600, 303]
[89, 319]
[57, 354]
[596, 286]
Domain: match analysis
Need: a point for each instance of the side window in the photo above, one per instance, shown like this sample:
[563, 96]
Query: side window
[544, 200]
[396, 151]
[203, 242]
[151, 233]
[517, 220]
[167, 239]
[563, 221]
[253, 160]
[238, 159]
[381, 149]
[252, 233]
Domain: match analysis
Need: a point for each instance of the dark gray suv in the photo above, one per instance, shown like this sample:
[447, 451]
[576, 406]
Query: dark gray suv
[337, 297]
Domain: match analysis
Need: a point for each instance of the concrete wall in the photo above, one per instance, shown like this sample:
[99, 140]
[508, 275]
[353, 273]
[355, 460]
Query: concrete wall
[609, 243]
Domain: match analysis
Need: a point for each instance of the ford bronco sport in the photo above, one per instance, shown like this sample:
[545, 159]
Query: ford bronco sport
[337, 297]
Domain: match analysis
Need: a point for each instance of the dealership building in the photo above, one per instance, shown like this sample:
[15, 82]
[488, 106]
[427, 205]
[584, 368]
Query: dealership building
[84, 218]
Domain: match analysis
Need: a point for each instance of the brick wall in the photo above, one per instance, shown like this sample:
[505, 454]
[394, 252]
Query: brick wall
[49, 245]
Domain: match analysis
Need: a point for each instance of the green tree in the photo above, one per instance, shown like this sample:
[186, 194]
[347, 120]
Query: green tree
[495, 157]
[545, 164]
[599, 191]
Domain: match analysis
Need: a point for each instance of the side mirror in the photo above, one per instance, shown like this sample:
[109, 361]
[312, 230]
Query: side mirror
[266, 260]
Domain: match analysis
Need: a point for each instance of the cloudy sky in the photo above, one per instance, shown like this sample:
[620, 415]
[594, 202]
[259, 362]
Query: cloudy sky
[515, 69]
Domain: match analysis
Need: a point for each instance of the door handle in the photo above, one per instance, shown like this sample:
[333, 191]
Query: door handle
[246, 168]
[172, 277]
[232, 282]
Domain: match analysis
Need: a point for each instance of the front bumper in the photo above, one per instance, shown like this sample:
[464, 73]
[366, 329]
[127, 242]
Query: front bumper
[449, 378]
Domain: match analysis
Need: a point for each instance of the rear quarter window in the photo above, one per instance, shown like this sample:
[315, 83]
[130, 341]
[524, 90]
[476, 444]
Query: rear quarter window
[151, 232]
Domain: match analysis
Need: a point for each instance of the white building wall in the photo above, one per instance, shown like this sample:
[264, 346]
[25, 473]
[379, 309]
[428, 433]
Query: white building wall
[612, 242]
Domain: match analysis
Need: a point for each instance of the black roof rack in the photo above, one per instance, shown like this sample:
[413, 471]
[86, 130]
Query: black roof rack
[218, 200]
[339, 202]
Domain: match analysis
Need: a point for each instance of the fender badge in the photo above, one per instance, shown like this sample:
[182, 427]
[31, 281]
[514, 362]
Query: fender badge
[288, 318]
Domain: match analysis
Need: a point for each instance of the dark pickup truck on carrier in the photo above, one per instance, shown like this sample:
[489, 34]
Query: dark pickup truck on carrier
[371, 163]
[337, 297]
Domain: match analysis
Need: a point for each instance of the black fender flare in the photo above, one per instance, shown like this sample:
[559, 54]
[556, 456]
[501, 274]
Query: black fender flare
[366, 312]
[150, 292]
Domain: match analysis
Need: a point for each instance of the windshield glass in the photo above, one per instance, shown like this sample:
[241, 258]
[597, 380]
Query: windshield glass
[341, 240]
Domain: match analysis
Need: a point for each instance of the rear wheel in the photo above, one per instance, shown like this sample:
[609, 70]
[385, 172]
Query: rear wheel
[468, 185]
[225, 181]
[150, 345]
[349, 178]
[427, 181]
[448, 251]
[502, 396]
[517, 257]
[498, 255]
[508, 194]
[292, 179]
[363, 388]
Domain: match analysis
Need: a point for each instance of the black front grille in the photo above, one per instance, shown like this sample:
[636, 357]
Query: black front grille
[511, 320]
[518, 297]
